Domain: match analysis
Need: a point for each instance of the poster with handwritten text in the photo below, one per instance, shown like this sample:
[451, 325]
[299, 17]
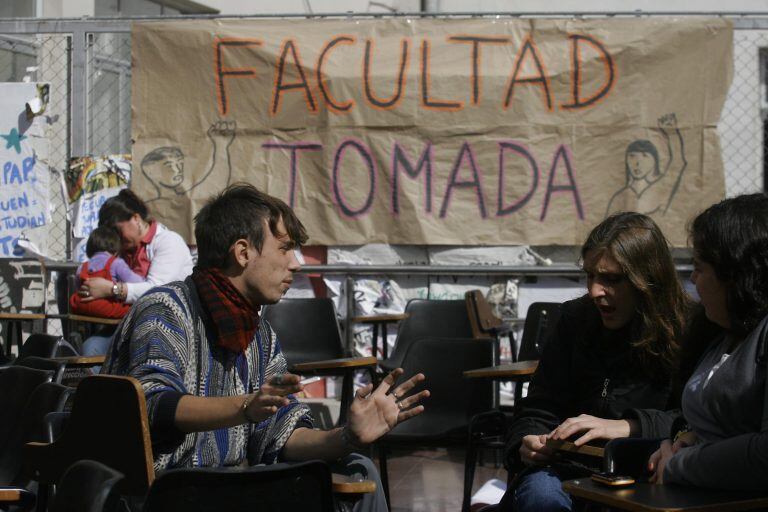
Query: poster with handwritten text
[24, 171]
[478, 131]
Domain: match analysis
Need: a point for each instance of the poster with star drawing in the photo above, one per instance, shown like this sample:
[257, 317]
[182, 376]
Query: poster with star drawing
[24, 174]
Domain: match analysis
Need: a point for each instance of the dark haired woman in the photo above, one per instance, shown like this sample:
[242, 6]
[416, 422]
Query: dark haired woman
[721, 439]
[613, 349]
[153, 251]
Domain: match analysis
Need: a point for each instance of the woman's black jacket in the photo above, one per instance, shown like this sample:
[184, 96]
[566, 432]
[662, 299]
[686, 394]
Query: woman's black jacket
[584, 368]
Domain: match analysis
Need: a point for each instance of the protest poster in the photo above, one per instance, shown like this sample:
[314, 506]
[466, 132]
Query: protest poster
[88, 183]
[434, 131]
[24, 173]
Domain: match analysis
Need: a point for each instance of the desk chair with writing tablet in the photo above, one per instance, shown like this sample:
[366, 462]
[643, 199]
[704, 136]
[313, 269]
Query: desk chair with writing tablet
[309, 337]
[647, 497]
[303, 486]
[108, 424]
[26, 396]
[453, 400]
[88, 486]
[488, 429]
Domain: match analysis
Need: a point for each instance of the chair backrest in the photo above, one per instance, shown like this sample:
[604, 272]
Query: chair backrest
[46, 398]
[481, 318]
[430, 318]
[307, 329]
[46, 345]
[108, 424]
[453, 399]
[540, 321]
[17, 386]
[305, 486]
[88, 486]
[57, 368]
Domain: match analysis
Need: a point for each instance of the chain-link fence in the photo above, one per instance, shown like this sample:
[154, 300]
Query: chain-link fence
[88, 64]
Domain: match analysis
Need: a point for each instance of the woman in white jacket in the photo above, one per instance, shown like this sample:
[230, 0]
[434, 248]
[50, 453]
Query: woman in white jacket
[150, 249]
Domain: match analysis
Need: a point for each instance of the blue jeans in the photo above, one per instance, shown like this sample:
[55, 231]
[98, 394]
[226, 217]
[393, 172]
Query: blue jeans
[97, 346]
[360, 467]
[540, 490]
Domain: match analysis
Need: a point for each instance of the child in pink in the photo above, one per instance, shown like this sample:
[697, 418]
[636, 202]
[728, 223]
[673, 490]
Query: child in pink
[102, 248]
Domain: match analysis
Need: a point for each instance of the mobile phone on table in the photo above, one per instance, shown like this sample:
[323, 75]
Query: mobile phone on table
[613, 479]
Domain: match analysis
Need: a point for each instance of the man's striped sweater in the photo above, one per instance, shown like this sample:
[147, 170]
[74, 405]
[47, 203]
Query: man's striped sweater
[166, 342]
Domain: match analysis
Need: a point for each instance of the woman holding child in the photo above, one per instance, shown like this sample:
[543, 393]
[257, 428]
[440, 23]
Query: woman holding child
[613, 349]
[151, 250]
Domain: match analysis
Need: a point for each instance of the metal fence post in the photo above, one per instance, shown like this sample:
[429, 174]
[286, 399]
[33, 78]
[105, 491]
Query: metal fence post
[79, 93]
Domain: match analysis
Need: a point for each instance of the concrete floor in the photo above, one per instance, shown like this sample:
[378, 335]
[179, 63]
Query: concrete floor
[431, 480]
[421, 480]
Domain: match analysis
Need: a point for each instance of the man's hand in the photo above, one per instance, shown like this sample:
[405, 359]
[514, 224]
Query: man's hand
[534, 451]
[95, 288]
[373, 413]
[592, 427]
[658, 462]
[271, 396]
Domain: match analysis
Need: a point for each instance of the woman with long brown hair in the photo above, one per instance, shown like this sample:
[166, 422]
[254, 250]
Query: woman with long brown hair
[613, 349]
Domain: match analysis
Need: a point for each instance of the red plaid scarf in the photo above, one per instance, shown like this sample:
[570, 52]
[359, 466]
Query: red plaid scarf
[234, 318]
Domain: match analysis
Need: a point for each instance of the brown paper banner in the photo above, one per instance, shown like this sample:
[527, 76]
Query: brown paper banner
[470, 131]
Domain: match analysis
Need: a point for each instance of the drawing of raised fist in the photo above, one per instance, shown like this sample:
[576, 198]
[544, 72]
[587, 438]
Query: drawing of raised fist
[222, 132]
[668, 121]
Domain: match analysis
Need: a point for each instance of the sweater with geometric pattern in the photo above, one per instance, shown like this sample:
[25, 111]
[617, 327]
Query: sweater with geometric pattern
[166, 342]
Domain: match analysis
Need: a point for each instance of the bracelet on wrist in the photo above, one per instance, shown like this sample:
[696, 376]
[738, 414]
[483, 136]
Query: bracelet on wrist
[244, 407]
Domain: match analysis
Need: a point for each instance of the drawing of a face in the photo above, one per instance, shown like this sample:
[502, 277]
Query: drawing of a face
[640, 164]
[641, 161]
[165, 167]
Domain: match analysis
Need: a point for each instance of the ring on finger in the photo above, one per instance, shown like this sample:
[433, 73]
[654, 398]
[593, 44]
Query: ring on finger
[400, 405]
[397, 397]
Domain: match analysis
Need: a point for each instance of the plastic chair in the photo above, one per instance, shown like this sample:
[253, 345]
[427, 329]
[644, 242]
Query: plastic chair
[428, 318]
[540, 321]
[309, 336]
[17, 383]
[487, 430]
[453, 399]
[305, 486]
[108, 424]
[44, 345]
[57, 368]
[30, 426]
[481, 318]
[88, 486]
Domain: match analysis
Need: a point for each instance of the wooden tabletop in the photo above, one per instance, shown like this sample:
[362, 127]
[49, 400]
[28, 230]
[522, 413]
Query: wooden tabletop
[95, 319]
[22, 316]
[380, 319]
[80, 361]
[567, 446]
[346, 362]
[343, 484]
[646, 497]
[13, 494]
[505, 371]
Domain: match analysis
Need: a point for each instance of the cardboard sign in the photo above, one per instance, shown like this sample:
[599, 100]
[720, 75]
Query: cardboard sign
[429, 131]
